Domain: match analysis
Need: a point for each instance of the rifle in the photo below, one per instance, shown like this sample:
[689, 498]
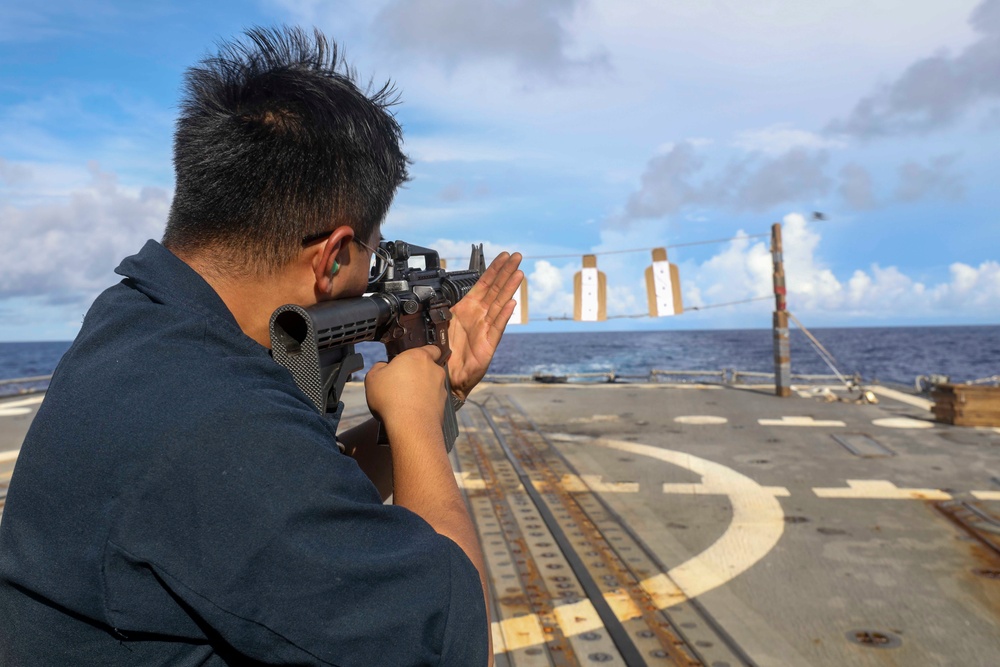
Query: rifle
[407, 307]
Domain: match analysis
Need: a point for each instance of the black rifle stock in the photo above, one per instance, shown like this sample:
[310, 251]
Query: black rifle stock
[408, 307]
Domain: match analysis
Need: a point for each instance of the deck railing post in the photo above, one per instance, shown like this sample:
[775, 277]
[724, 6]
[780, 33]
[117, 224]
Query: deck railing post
[782, 350]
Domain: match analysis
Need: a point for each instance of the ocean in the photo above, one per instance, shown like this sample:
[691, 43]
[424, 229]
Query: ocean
[889, 355]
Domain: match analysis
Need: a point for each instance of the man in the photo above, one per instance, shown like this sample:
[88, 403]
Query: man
[178, 501]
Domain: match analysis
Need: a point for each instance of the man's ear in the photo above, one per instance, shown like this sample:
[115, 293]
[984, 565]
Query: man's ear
[330, 255]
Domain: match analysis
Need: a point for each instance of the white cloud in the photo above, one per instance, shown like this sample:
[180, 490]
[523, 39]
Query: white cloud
[970, 288]
[744, 271]
[781, 138]
[936, 90]
[814, 285]
[535, 36]
[550, 289]
[64, 247]
[757, 182]
[917, 181]
[856, 187]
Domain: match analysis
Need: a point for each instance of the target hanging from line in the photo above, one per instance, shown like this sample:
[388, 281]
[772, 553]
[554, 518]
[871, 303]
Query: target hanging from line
[590, 292]
[520, 315]
[663, 286]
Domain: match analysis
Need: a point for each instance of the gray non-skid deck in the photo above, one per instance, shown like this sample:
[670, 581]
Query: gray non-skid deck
[723, 525]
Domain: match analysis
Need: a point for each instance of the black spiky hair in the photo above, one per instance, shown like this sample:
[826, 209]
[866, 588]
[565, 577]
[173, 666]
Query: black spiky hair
[276, 141]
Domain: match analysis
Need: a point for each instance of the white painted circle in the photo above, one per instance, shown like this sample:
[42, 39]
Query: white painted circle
[13, 412]
[902, 422]
[757, 524]
[700, 419]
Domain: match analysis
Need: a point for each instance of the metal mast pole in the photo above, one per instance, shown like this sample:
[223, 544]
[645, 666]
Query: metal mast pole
[782, 352]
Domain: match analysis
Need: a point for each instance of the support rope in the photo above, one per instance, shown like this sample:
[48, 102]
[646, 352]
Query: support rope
[823, 353]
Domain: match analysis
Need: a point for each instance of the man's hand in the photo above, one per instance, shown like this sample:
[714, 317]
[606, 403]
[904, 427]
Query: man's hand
[408, 390]
[478, 321]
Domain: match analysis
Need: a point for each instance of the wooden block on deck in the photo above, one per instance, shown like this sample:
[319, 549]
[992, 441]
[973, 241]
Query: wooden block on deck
[967, 405]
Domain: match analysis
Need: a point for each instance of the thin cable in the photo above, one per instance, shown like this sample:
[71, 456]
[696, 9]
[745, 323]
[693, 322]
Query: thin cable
[822, 351]
[641, 315]
[811, 337]
[731, 303]
[621, 252]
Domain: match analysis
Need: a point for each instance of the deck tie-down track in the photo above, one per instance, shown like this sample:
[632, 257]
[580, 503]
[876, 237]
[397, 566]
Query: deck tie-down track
[572, 584]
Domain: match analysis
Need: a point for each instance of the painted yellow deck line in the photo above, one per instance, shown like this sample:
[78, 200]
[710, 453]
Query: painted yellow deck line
[878, 489]
[465, 481]
[570, 483]
[800, 421]
[757, 524]
[23, 403]
[703, 490]
[701, 420]
[598, 385]
[902, 422]
[519, 632]
[577, 617]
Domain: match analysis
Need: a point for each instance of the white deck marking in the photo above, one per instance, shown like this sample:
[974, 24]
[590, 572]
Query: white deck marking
[700, 419]
[595, 418]
[703, 490]
[622, 604]
[800, 421]
[34, 400]
[570, 483]
[879, 489]
[518, 632]
[573, 619]
[902, 422]
[663, 591]
[826, 393]
[593, 483]
[466, 482]
[18, 408]
[578, 386]
[757, 524]
[915, 401]
[577, 617]
[986, 495]
[7, 457]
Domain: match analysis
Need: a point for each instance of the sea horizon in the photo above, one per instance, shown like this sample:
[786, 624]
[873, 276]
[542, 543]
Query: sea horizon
[514, 330]
[894, 354]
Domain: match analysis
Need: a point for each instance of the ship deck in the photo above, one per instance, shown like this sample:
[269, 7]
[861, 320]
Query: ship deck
[715, 525]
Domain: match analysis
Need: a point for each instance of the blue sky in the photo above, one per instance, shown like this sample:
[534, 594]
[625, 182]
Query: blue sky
[555, 127]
